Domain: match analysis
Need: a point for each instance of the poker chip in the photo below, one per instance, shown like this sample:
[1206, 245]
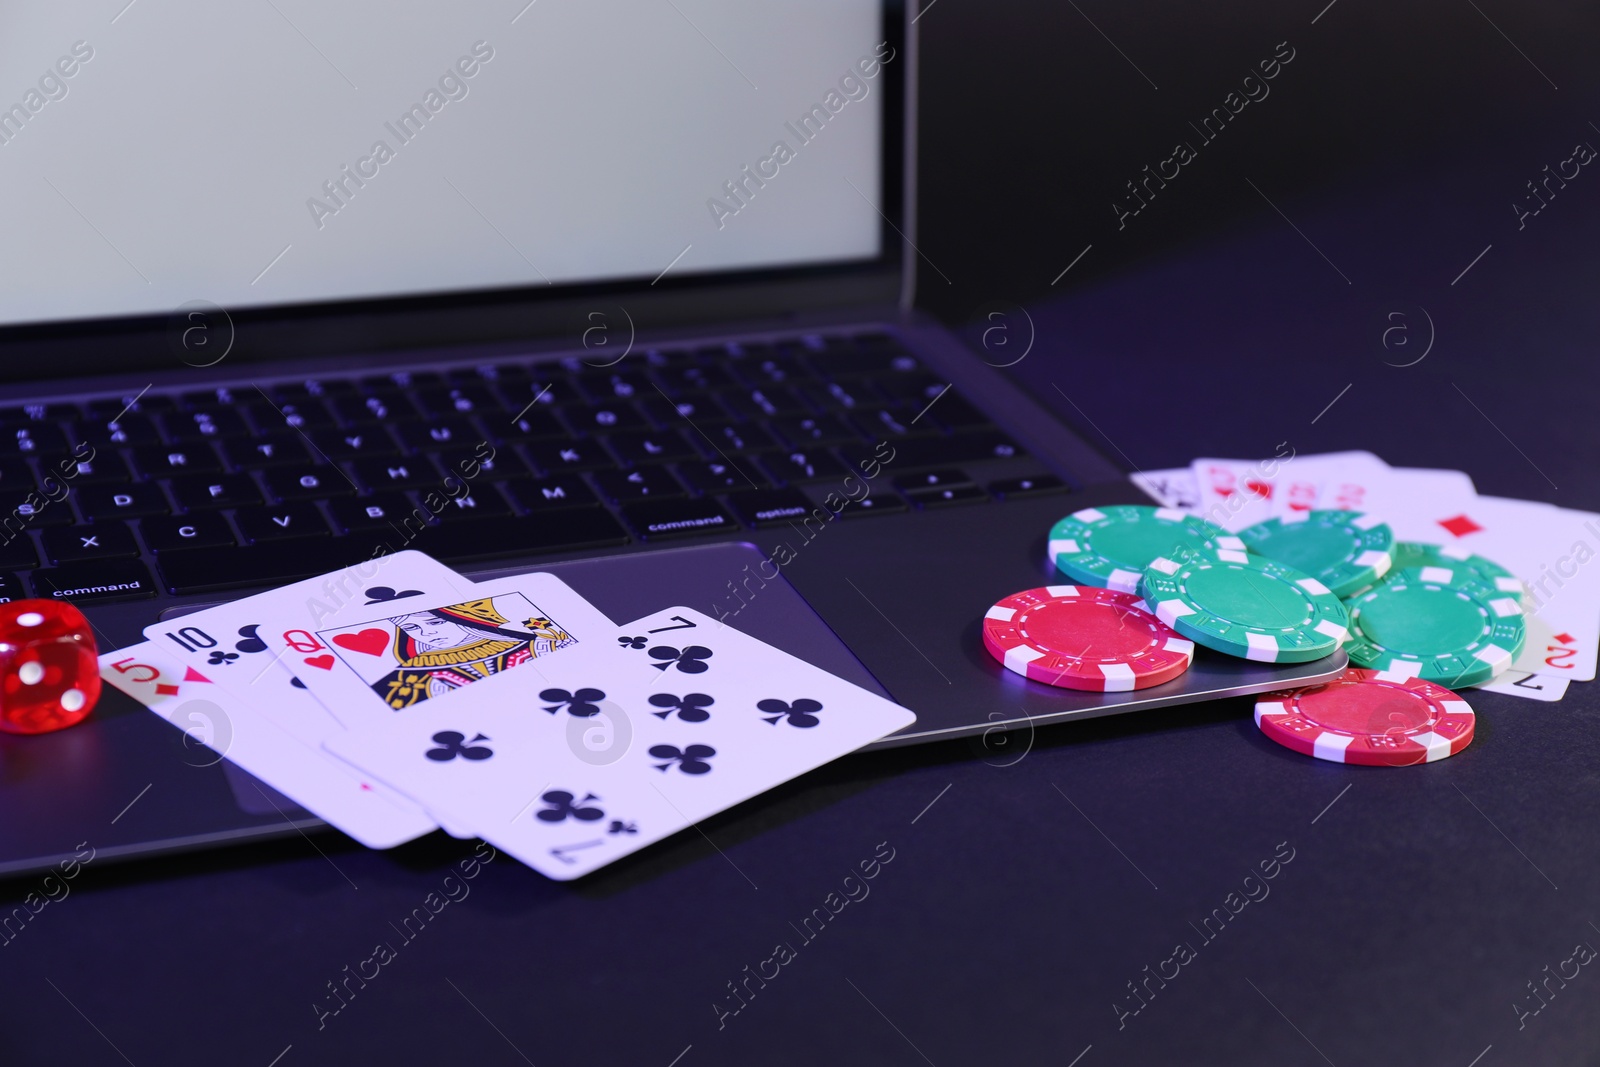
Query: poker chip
[1344, 550]
[1084, 637]
[1439, 624]
[1247, 606]
[1372, 718]
[1112, 546]
[1408, 554]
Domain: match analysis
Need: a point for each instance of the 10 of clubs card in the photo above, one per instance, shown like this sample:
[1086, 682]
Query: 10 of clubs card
[418, 651]
[622, 741]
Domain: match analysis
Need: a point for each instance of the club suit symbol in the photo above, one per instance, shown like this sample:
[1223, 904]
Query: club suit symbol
[802, 712]
[691, 707]
[691, 659]
[690, 760]
[563, 806]
[582, 703]
[453, 743]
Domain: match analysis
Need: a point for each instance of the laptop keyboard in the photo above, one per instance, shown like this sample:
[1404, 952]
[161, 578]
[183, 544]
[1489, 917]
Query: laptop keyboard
[275, 480]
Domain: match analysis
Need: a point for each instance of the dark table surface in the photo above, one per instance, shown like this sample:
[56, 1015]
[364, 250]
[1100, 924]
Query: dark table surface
[1020, 891]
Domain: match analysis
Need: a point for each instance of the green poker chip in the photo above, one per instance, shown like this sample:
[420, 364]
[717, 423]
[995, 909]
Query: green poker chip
[1110, 547]
[1247, 606]
[1344, 550]
[1410, 554]
[1439, 624]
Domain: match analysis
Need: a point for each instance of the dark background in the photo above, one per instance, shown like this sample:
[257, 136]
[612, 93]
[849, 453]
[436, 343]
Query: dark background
[1050, 870]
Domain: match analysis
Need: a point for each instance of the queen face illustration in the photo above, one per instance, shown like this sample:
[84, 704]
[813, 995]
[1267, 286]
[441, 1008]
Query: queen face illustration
[432, 633]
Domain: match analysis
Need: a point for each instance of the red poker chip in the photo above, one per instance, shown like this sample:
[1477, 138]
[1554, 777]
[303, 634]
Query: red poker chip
[1081, 637]
[1374, 718]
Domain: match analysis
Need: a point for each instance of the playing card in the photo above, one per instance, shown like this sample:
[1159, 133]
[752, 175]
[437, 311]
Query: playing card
[366, 665]
[333, 790]
[622, 742]
[1239, 493]
[1174, 488]
[1544, 687]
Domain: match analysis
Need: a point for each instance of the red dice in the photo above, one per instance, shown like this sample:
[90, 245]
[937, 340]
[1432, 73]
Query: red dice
[49, 671]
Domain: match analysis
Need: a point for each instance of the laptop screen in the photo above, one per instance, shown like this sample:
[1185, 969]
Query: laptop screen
[294, 152]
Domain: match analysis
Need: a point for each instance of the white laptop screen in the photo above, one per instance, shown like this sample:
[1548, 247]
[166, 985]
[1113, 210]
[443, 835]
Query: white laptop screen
[296, 151]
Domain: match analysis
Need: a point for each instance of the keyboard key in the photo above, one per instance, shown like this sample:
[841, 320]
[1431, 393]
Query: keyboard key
[223, 396]
[39, 413]
[876, 358]
[121, 501]
[809, 430]
[844, 396]
[637, 484]
[166, 533]
[604, 418]
[397, 473]
[94, 467]
[656, 520]
[434, 434]
[481, 463]
[129, 430]
[954, 413]
[546, 494]
[694, 378]
[353, 442]
[305, 415]
[740, 437]
[307, 483]
[913, 387]
[207, 424]
[10, 588]
[16, 547]
[15, 474]
[811, 465]
[772, 507]
[98, 582]
[35, 509]
[552, 457]
[879, 502]
[721, 476]
[270, 448]
[651, 446]
[310, 388]
[763, 402]
[33, 439]
[203, 570]
[197, 492]
[281, 522]
[917, 452]
[379, 511]
[891, 423]
[455, 400]
[603, 386]
[99, 540]
[403, 379]
[109, 407]
[535, 424]
[355, 409]
[159, 461]
[952, 494]
[689, 411]
[572, 528]
[931, 480]
[1036, 485]
[483, 502]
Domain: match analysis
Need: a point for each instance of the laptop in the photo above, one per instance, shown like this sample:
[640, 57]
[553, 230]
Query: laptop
[282, 269]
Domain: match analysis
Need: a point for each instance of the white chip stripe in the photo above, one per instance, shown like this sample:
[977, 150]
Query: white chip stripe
[1510, 585]
[1380, 562]
[1178, 644]
[1263, 648]
[1269, 707]
[1061, 590]
[1458, 553]
[1017, 659]
[1404, 668]
[1123, 581]
[1229, 556]
[1000, 614]
[1233, 544]
[1329, 628]
[1457, 707]
[1066, 546]
[1505, 608]
[1119, 677]
[1089, 515]
[1170, 611]
[1365, 522]
[1314, 587]
[1331, 746]
[1438, 575]
[1395, 676]
[1496, 657]
[1171, 514]
[1437, 745]
[1164, 565]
